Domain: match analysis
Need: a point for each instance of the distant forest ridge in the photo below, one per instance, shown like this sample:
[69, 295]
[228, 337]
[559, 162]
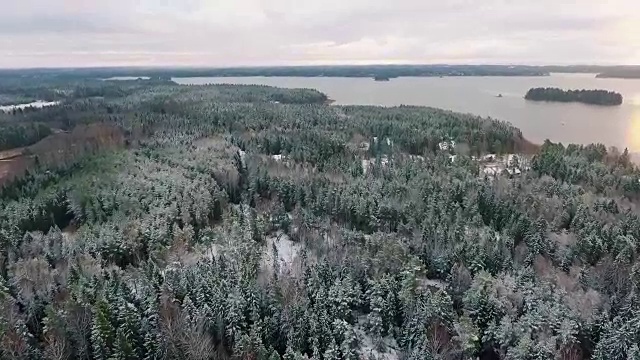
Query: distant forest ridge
[595, 97]
[371, 71]
[388, 71]
[633, 73]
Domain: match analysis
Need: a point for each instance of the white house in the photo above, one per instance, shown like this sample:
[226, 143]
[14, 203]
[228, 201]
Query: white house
[489, 157]
[514, 171]
[492, 170]
[447, 145]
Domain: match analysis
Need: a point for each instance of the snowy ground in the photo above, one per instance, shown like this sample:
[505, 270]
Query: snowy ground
[287, 252]
[368, 348]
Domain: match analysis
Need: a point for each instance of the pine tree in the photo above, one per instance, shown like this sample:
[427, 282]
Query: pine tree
[57, 345]
[151, 338]
[102, 332]
[130, 323]
[349, 344]
[274, 355]
[233, 316]
[123, 348]
[242, 347]
[634, 352]
[332, 352]
[375, 320]
[290, 354]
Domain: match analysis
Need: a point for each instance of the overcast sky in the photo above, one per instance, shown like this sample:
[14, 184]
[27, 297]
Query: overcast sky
[35, 33]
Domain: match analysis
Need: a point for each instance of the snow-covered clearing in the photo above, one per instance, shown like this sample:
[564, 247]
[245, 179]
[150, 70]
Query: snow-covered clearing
[285, 249]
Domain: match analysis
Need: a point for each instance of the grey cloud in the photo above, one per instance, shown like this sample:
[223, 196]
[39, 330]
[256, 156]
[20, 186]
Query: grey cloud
[67, 24]
[251, 32]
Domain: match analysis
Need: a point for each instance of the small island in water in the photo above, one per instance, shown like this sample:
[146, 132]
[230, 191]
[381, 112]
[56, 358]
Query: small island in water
[594, 97]
[381, 78]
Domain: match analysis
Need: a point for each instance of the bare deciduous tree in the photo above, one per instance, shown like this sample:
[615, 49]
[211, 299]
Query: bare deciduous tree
[13, 341]
[79, 324]
[439, 343]
[198, 345]
[56, 347]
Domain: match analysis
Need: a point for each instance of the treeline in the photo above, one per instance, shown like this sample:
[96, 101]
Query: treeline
[33, 78]
[589, 69]
[235, 227]
[633, 73]
[595, 97]
[389, 71]
[22, 134]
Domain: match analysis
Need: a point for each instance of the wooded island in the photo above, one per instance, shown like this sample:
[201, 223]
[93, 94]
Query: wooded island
[595, 97]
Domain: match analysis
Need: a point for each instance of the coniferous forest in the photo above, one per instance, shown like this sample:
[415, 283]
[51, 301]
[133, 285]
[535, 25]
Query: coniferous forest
[146, 220]
[594, 97]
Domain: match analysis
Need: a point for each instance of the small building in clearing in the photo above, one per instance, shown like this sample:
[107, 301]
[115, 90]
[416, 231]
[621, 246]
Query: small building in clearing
[447, 145]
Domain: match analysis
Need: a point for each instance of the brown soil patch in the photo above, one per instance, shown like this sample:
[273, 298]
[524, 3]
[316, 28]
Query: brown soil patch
[10, 154]
[14, 166]
[58, 149]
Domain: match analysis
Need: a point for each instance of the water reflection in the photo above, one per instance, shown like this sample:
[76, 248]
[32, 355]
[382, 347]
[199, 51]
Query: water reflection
[633, 131]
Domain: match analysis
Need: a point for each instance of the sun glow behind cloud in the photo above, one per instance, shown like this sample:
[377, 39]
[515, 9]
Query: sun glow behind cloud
[624, 36]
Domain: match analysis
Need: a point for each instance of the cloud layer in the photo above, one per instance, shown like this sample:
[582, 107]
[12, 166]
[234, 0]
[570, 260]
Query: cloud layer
[35, 33]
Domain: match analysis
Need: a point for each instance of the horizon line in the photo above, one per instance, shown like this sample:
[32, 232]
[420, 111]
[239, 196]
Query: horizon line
[216, 67]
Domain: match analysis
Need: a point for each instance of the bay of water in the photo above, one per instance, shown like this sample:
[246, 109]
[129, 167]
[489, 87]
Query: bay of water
[560, 122]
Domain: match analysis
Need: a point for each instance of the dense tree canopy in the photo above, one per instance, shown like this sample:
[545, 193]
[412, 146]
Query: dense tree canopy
[595, 97]
[248, 222]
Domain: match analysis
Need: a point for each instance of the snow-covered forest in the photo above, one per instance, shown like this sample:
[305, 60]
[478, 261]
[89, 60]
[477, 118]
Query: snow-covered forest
[145, 220]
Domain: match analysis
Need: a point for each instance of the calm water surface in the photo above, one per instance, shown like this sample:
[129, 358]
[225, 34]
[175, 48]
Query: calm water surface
[568, 123]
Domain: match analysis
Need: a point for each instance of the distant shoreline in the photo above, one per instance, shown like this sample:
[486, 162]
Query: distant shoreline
[359, 71]
[618, 76]
[342, 71]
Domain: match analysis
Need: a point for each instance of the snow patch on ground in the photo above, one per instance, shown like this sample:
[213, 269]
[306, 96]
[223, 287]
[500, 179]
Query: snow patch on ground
[369, 350]
[212, 252]
[366, 164]
[69, 234]
[425, 284]
[287, 252]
